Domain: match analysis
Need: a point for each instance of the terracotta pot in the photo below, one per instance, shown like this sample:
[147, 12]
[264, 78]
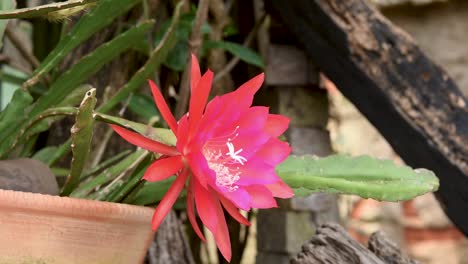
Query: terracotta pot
[37, 228]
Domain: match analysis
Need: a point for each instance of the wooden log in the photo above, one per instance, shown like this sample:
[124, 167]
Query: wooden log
[332, 244]
[386, 250]
[413, 103]
[170, 244]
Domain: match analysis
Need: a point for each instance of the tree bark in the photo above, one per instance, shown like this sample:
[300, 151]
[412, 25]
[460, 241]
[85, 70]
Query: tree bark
[386, 250]
[332, 244]
[414, 104]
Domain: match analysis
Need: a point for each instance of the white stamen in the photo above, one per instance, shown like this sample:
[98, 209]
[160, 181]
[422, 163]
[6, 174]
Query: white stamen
[227, 174]
[234, 155]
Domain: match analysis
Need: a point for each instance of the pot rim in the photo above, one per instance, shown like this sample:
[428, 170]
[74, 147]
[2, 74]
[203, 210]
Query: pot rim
[67, 206]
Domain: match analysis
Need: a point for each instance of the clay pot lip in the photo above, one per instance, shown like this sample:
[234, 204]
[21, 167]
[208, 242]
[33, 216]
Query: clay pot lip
[74, 207]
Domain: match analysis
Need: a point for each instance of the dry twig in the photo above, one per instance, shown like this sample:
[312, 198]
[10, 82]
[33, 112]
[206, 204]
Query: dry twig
[217, 57]
[248, 40]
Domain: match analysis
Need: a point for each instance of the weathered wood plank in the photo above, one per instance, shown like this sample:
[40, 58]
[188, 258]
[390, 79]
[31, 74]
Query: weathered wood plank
[386, 250]
[414, 104]
[332, 244]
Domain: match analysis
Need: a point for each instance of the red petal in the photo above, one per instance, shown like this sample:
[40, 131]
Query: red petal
[182, 132]
[163, 168]
[163, 108]
[169, 199]
[212, 215]
[250, 142]
[233, 211]
[280, 190]
[198, 99]
[251, 86]
[255, 171]
[223, 108]
[205, 206]
[276, 125]
[200, 168]
[191, 211]
[274, 151]
[240, 198]
[221, 234]
[143, 142]
[195, 74]
[243, 96]
[254, 119]
[261, 197]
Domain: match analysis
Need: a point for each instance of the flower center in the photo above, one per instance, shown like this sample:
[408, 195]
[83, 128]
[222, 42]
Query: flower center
[225, 160]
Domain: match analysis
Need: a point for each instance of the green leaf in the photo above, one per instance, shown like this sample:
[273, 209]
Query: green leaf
[159, 134]
[177, 58]
[244, 53]
[89, 65]
[74, 97]
[40, 123]
[130, 184]
[62, 150]
[151, 192]
[13, 117]
[15, 110]
[107, 175]
[106, 164]
[81, 135]
[80, 72]
[99, 17]
[44, 154]
[158, 55]
[143, 106]
[43, 10]
[230, 30]
[364, 176]
[5, 5]
[12, 75]
[60, 172]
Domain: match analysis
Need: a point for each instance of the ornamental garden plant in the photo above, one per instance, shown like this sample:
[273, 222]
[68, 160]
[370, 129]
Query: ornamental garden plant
[222, 158]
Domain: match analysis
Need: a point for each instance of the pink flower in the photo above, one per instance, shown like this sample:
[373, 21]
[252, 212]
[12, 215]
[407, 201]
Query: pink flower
[226, 153]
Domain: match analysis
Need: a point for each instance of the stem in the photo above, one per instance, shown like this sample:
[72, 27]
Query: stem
[16, 41]
[105, 164]
[106, 190]
[102, 147]
[31, 12]
[48, 113]
[196, 39]
[217, 57]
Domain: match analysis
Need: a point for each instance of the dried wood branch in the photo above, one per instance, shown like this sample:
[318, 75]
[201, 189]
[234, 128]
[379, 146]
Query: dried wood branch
[332, 244]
